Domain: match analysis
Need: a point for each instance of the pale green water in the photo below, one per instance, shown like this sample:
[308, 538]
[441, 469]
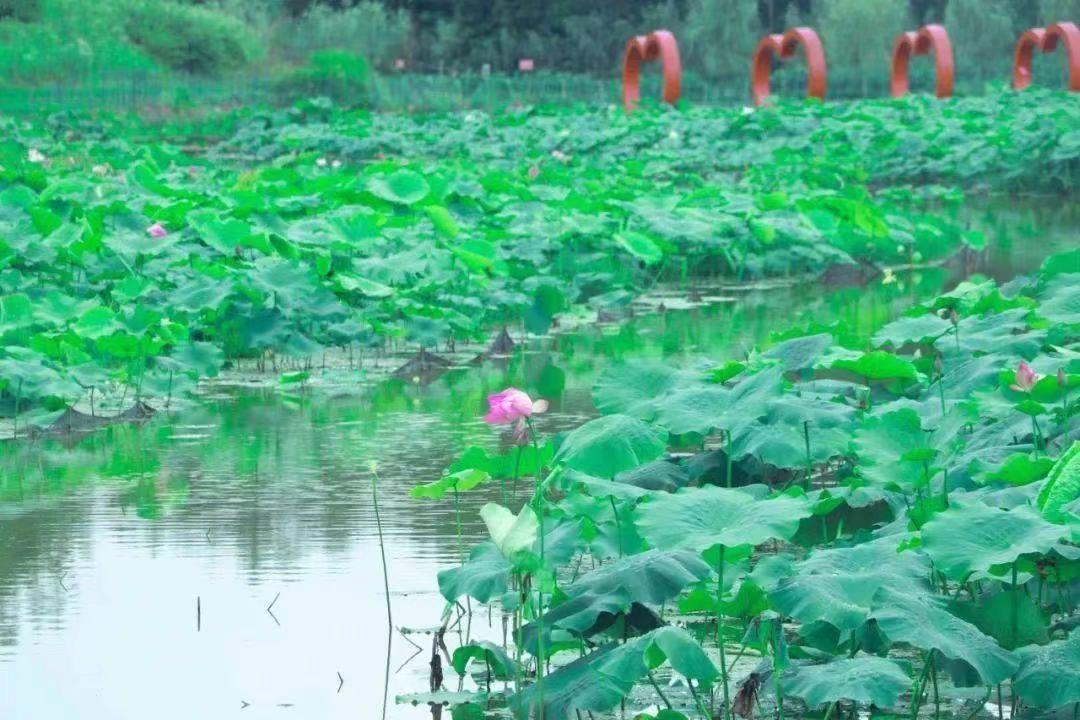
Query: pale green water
[107, 541]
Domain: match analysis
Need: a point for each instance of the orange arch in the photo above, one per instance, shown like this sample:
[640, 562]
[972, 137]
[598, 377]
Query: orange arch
[658, 45]
[1047, 40]
[784, 47]
[921, 42]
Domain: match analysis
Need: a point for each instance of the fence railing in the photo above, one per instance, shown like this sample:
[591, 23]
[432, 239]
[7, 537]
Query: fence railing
[149, 92]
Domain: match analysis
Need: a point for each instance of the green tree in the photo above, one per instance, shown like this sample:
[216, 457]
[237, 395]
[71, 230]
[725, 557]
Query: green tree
[1058, 10]
[858, 37]
[719, 36]
[983, 36]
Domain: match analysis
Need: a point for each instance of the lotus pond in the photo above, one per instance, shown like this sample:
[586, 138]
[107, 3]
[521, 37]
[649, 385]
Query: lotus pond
[808, 378]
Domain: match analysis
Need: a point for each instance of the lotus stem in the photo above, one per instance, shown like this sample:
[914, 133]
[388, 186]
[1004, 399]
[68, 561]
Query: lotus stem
[720, 621]
[697, 700]
[933, 680]
[618, 528]
[917, 690]
[659, 692]
[538, 499]
[457, 525]
[809, 461]
[502, 480]
[382, 547]
[1015, 628]
[941, 390]
[778, 688]
[727, 452]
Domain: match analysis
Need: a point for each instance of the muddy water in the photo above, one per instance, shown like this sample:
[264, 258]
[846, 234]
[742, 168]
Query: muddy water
[224, 560]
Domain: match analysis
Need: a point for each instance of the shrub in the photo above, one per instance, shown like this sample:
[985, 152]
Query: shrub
[342, 76]
[188, 38]
[21, 10]
[381, 33]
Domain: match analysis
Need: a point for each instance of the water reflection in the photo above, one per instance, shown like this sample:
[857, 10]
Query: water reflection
[108, 541]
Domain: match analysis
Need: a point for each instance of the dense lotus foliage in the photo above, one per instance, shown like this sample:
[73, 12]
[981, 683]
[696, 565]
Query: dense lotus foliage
[810, 529]
[814, 527]
[136, 259]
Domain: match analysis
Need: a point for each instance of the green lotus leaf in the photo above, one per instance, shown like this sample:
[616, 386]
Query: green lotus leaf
[652, 577]
[401, 187]
[921, 620]
[511, 533]
[794, 427]
[364, 286]
[1010, 616]
[443, 221]
[641, 246]
[601, 679]
[881, 444]
[1059, 263]
[486, 653]
[1049, 675]
[198, 359]
[863, 679]
[223, 234]
[879, 365]
[477, 254]
[594, 683]
[97, 323]
[799, 354]
[700, 518]
[837, 585]
[461, 481]
[1006, 333]
[1059, 301]
[484, 576]
[1021, 469]
[16, 310]
[914, 329]
[681, 651]
[702, 408]
[1062, 485]
[632, 388]
[972, 538]
[608, 445]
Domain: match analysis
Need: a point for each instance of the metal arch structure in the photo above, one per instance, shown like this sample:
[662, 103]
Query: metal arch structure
[784, 47]
[1047, 40]
[927, 39]
[657, 45]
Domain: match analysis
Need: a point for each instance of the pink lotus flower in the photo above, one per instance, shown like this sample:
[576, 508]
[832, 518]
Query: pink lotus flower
[1025, 378]
[512, 406]
[157, 230]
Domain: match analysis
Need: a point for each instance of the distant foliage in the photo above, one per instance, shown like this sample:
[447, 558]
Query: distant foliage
[340, 75]
[1058, 10]
[21, 10]
[368, 28]
[858, 35]
[188, 38]
[983, 34]
[119, 43]
[712, 24]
